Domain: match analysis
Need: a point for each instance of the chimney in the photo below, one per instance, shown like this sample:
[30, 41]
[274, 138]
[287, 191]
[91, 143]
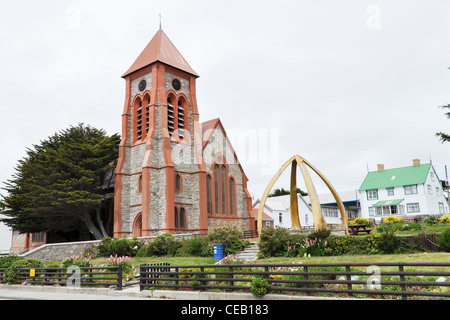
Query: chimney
[380, 167]
[416, 162]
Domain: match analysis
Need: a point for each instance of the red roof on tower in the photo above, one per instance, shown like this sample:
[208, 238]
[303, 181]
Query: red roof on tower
[160, 49]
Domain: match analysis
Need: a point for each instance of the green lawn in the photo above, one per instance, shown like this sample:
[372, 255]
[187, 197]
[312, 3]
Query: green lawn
[417, 257]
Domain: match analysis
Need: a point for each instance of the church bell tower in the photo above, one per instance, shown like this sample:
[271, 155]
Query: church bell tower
[160, 180]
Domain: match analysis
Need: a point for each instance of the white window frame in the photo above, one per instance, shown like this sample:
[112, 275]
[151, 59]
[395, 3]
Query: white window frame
[412, 207]
[372, 194]
[411, 189]
[390, 191]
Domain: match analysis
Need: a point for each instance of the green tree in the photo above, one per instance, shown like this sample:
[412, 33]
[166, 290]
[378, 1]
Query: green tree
[59, 185]
[281, 192]
[444, 137]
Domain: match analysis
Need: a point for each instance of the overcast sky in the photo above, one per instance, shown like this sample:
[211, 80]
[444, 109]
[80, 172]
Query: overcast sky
[344, 84]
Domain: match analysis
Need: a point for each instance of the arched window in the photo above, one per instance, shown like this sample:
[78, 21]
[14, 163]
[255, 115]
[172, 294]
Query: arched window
[182, 218]
[170, 117]
[177, 218]
[232, 191]
[180, 119]
[224, 189]
[140, 183]
[216, 188]
[208, 194]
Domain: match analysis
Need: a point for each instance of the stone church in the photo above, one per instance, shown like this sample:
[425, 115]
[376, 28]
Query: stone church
[174, 173]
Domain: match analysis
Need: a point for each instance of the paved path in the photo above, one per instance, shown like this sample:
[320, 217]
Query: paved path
[49, 293]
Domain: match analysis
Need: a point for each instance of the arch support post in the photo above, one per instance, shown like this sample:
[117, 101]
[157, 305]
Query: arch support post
[294, 198]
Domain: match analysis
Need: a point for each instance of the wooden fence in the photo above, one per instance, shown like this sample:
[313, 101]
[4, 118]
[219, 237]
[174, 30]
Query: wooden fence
[345, 279]
[428, 242]
[82, 276]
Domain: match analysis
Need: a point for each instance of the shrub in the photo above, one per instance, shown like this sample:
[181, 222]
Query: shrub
[320, 234]
[445, 218]
[11, 275]
[431, 220]
[7, 261]
[338, 245]
[162, 245]
[273, 242]
[392, 220]
[361, 221]
[78, 261]
[259, 286]
[444, 240]
[197, 246]
[230, 237]
[121, 247]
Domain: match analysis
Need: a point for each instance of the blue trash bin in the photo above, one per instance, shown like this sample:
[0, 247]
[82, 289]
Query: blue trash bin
[218, 251]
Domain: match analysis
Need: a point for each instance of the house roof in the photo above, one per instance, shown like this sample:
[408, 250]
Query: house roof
[396, 177]
[161, 49]
[265, 216]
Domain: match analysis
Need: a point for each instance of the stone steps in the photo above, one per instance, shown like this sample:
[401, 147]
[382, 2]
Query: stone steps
[249, 254]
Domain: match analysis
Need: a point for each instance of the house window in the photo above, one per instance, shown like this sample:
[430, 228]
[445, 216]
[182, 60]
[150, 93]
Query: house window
[330, 212]
[432, 176]
[37, 237]
[430, 190]
[438, 191]
[411, 189]
[208, 193]
[412, 207]
[372, 211]
[372, 194]
[280, 217]
[390, 191]
[441, 207]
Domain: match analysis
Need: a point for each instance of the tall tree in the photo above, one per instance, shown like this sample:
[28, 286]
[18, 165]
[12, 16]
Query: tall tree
[444, 137]
[60, 183]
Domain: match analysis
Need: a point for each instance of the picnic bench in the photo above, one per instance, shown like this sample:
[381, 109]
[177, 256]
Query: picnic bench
[355, 229]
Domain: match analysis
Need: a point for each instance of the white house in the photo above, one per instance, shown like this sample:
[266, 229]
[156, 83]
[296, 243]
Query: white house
[279, 208]
[407, 191]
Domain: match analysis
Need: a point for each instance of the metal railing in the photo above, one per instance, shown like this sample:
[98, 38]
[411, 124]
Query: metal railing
[351, 279]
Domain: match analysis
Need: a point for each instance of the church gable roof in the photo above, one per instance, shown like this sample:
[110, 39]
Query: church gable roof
[161, 49]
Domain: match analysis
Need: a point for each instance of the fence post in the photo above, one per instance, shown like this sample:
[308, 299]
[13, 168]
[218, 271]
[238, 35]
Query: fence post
[177, 282]
[402, 278]
[232, 276]
[349, 278]
[142, 277]
[119, 277]
[202, 275]
[305, 277]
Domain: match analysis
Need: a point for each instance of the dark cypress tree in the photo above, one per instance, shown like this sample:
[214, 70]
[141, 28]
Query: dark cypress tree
[59, 185]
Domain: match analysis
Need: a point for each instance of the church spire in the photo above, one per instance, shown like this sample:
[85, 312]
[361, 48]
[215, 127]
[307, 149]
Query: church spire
[160, 49]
